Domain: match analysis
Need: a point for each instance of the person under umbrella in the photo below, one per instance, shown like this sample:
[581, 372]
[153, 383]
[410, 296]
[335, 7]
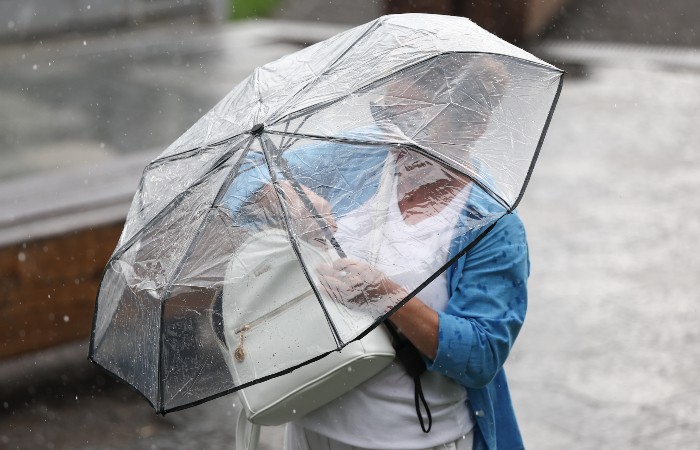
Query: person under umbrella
[465, 320]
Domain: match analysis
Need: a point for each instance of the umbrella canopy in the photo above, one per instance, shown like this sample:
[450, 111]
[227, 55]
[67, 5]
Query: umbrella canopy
[382, 138]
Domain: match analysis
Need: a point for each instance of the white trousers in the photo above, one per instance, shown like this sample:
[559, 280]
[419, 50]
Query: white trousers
[298, 438]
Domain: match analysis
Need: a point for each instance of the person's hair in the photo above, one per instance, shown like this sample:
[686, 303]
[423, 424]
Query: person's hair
[468, 83]
[465, 77]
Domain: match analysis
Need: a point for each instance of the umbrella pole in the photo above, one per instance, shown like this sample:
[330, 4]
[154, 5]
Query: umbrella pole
[266, 146]
[323, 226]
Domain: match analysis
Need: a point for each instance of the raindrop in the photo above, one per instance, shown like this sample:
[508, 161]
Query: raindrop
[24, 56]
[66, 319]
[35, 66]
[294, 411]
[349, 369]
[5, 405]
[11, 24]
[84, 43]
[102, 145]
[21, 256]
[88, 6]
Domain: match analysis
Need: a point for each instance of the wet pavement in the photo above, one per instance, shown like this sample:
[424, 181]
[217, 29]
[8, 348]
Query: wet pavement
[608, 357]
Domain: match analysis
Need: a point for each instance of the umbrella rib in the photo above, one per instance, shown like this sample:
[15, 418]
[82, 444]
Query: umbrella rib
[285, 145]
[292, 239]
[286, 129]
[174, 202]
[409, 145]
[310, 206]
[207, 219]
[332, 64]
[181, 264]
[312, 109]
[431, 120]
[187, 153]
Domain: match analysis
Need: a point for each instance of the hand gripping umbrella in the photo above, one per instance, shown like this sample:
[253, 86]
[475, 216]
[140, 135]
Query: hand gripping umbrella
[365, 147]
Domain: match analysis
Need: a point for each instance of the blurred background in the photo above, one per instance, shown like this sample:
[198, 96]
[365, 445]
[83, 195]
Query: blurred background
[91, 90]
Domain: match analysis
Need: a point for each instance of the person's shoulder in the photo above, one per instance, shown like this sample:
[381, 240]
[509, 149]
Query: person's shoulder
[509, 229]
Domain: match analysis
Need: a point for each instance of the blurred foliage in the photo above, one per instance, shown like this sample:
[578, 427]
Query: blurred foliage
[245, 9]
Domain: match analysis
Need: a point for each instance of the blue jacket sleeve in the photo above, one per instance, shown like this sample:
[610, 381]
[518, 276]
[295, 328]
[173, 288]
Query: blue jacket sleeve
[488, 300]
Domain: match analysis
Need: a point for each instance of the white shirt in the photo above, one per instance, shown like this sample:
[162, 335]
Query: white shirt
[380, 413]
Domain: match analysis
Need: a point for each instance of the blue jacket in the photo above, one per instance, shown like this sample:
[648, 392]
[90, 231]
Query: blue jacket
[488, 284]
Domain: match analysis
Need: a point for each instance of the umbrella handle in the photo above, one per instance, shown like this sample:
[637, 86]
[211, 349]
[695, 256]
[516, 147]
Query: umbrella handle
[247, 433]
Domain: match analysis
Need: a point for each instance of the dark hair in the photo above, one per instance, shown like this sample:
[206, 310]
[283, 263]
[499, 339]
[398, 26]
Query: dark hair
[467, 83]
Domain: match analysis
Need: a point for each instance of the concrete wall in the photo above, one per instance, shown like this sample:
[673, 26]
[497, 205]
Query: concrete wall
[57, 231]
[25, 18]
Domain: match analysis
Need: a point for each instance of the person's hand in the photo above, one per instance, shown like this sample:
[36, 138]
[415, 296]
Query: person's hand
[356, 283]
[305, 222]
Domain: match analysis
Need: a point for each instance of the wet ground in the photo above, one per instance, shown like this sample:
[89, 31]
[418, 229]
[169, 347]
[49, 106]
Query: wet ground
[608, 357]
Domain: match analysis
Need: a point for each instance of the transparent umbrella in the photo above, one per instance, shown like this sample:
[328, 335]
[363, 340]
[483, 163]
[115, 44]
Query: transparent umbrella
[388, 135]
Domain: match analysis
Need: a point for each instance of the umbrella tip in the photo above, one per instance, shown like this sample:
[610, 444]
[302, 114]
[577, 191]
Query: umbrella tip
[257, 129]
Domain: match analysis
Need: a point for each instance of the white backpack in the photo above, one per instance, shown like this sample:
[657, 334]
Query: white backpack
[264, 281]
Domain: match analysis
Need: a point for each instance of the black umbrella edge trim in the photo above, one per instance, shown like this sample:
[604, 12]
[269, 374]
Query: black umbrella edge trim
[320, 106]
[248, 384]
[540, 142]
[123, 382]
[461, 253]
[168, 289]
[439, 272]
[292, 239]
[125, 247]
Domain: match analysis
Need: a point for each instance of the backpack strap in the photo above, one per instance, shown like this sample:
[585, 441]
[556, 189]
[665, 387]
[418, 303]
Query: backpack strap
[412, 361]
[247, 433]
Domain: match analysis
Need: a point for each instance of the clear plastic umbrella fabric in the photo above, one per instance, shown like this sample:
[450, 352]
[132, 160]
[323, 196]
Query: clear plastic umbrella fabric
[326, 189]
